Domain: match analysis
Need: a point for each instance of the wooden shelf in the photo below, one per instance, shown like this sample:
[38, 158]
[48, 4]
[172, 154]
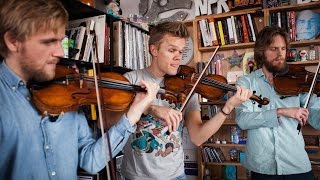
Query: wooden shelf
[223, 163]
[244, 145]
[230, 13]
[296, 7]
[314, 62]
[251, 45]
[314, 156]
[188, 22]
[312, 147]
[230, 122]
[305, 43]
[224, 145]
[228, 47]
[217, 102]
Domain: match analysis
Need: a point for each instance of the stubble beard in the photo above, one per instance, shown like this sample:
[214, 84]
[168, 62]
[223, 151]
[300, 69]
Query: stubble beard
[38, 74]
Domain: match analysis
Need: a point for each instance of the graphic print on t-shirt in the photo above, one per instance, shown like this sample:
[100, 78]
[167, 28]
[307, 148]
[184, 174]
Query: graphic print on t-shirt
[152, 136]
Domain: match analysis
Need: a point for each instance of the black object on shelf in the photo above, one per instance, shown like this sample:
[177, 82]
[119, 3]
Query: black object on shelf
[78, 10]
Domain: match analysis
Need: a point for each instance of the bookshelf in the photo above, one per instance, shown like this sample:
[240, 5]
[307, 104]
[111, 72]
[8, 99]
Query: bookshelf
[261, 18]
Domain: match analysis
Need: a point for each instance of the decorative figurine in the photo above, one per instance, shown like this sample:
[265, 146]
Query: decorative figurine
[292, 55]
[113, 8]
[303, 55]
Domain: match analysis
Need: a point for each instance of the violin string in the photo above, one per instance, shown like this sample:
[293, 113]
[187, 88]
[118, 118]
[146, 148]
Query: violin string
[114, 84]
[117, 84]
[220, 84]
[216, 83]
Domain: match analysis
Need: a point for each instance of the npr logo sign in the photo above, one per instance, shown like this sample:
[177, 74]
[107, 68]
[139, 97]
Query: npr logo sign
[203, 7]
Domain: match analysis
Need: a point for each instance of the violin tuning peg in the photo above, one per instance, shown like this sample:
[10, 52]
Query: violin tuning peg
[260, 106]
[254, 92]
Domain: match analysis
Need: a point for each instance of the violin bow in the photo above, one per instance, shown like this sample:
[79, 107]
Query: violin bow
[310, 92]
[198, 80]
[99, 94]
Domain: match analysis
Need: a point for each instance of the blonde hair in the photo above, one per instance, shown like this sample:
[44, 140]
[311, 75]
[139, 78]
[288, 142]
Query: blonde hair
[176, 29]
[23, 18]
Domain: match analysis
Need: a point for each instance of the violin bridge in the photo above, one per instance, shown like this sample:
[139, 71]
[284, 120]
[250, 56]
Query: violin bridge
[306, 78]
[81, 83]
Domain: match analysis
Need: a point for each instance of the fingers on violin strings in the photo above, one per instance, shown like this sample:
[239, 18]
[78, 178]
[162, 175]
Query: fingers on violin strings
[238, 89]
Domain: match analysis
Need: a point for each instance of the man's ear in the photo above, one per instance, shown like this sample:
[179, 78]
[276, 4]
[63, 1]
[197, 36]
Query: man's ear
[154, 50]
[11, 42]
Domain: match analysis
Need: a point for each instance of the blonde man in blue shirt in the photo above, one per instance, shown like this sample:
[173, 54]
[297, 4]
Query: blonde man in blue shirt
[33, 146]
[274, 148]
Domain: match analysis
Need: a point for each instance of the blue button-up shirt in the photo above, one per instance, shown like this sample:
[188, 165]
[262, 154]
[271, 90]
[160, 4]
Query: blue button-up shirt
[273, 144]
[32, 147]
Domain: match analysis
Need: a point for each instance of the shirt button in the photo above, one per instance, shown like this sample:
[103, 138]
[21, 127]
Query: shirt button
[53, 173]
[47, 147]
[13, 87]
[28, 98]
[21, 83]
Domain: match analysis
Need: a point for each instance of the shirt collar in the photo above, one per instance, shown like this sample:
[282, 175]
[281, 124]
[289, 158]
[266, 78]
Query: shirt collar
[11, 78]
[259, 73]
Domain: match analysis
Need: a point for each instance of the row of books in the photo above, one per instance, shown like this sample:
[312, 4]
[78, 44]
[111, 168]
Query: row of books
[209, 111]
[130, 46]
[212, 154]
[83, 36]
[231, 30]
[286, 20]
[213, 68]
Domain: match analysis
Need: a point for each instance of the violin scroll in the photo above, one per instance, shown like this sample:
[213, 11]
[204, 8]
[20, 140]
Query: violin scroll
[259, 99]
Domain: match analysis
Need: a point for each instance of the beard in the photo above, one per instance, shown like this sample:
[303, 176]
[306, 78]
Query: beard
[38, 75]
[276, 69]
[34, 72]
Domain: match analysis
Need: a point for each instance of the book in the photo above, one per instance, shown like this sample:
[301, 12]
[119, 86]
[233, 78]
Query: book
[76, 35]
[206, 35]
[245, 29]
[213, 32]
[252, 27]
[239, 28]
[99, 31]
[234, 29]
[220, 154]
[118, 43]
[230, 31]
[221, 35]
[225, 31]
[248, 28]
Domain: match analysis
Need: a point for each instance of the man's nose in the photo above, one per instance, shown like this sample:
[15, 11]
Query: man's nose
[308, 25]
[58, 51]
[281, 52]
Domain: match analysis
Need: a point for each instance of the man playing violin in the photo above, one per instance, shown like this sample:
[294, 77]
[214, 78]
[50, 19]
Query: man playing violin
[155, 151]
[274, 148]
[33, 146]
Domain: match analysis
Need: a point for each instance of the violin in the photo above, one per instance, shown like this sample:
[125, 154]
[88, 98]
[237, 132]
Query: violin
[296, 80]
[211, 86]
[69, 90]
